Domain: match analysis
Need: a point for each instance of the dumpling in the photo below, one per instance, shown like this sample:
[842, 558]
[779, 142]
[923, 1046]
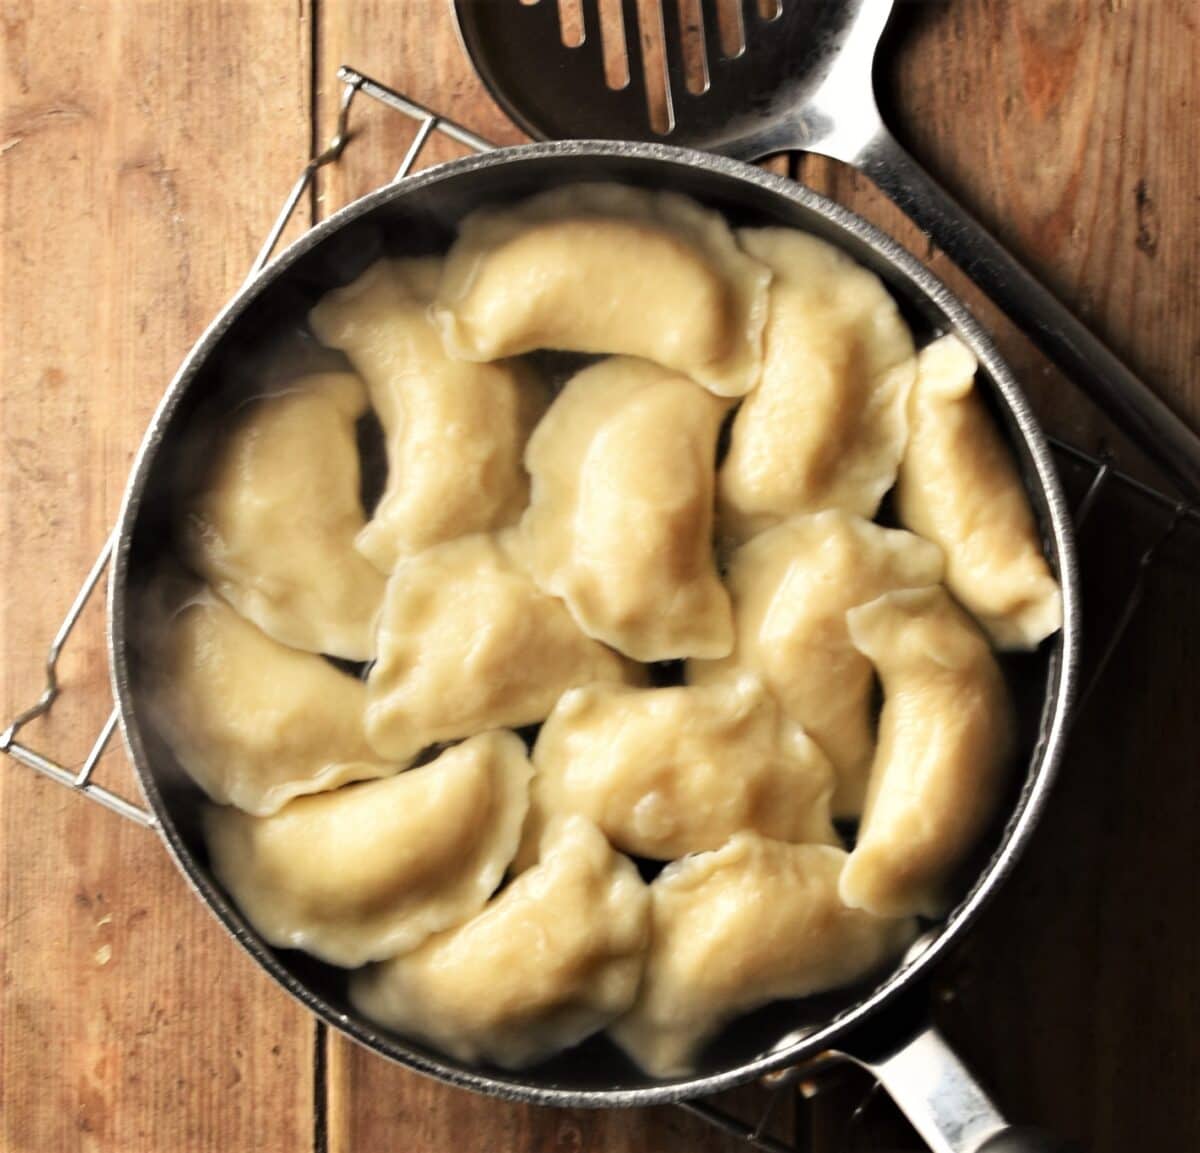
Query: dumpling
[253, 722]
[273, 529]
[372, 870]
[468, 642]
[608, 269]
[554, 958]
[455, 431]
[959, 487]
[665, 772]
[620, 525]
[756, 921]
[826, 426]
[791, 587]
[945, 743]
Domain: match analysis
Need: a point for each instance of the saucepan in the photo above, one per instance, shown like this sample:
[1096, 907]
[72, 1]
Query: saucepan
[880, 1024]
[876, 1024]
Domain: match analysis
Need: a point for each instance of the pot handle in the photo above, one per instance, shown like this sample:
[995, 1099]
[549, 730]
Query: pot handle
[943, 1101]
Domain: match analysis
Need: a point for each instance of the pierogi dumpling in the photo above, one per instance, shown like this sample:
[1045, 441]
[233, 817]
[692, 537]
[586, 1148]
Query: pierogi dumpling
[554, 958]
[826, 426]
[791, 587]
[945, 743]
[756, 921]
[455, 431]
[273, 529]
[664, 772]
[253, 722]
[607, 269]
[959, 487]
[468, 642]
[372, 870]
[620, 524]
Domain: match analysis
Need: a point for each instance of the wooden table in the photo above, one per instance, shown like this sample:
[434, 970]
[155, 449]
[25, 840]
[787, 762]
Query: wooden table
[144, 148]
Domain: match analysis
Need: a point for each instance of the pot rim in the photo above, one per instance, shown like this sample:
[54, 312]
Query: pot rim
[1043, 766]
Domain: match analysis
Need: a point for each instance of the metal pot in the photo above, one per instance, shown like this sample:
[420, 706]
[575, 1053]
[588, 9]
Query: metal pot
[418, 215]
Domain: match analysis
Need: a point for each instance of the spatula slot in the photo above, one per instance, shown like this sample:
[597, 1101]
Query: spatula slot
[695, 65]
[570, 20]
[722, 31]
[654, 44]
[612, 38]
[719, 75]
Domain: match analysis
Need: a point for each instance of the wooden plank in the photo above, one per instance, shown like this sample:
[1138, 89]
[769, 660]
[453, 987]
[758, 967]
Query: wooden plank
[1057, 127]
[371, 1103]
[143, 150]
[1076, 1000]
[409, 46]
[1064, 127]
[124, 132]
[1069, 130]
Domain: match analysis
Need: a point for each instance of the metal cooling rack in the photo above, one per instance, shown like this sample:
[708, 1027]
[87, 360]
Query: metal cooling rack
[1095, 475]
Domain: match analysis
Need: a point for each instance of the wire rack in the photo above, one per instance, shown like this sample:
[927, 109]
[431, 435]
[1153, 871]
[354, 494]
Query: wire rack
[1094, 477]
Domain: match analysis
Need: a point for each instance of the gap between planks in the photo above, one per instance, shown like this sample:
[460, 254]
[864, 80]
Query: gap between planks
[320, 1125]
[320, 1043]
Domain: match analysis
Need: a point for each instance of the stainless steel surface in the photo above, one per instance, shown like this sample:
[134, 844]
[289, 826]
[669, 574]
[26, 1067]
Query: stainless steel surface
[938, 1094]
[944, 1102]
[802, 82]
[797, 78]
[419, 215]
[398, 102]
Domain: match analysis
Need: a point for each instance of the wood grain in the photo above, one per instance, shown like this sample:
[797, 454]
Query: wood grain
[369, 1100]
[143, 149]
[412, 47]
[1067, 128]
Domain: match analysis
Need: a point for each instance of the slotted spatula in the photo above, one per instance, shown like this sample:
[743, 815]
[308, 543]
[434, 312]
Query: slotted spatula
[802, 81]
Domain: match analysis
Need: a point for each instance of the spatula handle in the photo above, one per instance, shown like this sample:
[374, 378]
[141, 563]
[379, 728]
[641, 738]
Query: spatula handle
[1145, 418]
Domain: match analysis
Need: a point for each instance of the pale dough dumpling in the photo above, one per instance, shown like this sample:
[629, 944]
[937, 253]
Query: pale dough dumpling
[273, 529]
[791, 587]
[372, 870]
[620, 525]
[756, 921]
[959, 487]
[253, 722]
[468, 642]
[455, 431]
[826, 426]
[554, 958]
[608, 269]
[945, 744]
[665, 772]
